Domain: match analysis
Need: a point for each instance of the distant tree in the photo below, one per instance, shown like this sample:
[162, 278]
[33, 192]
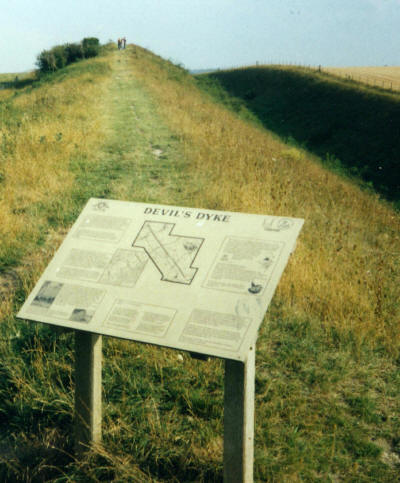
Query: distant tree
[46, 61]
[74, 52]
[91, 47]
[60, 56]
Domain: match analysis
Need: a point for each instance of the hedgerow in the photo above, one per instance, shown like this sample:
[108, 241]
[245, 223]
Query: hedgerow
[61, 55]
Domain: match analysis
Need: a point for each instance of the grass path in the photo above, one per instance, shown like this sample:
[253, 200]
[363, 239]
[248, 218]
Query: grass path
[147, 159]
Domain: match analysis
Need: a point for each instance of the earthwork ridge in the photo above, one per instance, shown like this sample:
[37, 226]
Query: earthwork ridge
[130, 125]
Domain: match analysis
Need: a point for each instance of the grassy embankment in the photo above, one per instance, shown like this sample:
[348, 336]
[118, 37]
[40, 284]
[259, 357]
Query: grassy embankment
[9, 83]
[353, 128]
[327, 385]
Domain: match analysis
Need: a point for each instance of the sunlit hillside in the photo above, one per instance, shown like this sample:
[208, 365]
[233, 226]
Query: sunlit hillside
[352, 128]
[384, 77]
[130, 125]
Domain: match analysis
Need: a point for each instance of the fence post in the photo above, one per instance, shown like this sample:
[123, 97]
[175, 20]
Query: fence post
[239, 419]
[88, 358]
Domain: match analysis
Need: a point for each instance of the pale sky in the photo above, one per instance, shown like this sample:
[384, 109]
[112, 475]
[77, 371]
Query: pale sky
[210, 33]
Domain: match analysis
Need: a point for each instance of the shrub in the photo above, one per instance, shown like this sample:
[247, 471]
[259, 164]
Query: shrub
[60, 56]
[46, 61]
[91, 47]
[74, 52]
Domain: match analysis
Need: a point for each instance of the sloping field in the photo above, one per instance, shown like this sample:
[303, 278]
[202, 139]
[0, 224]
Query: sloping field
[132, 126]
[10, 82]
[385, 77]
[352, 128]
[15, 77]
[5, 89]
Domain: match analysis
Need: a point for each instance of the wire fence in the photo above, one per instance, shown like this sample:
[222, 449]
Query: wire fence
[382, 78]
[369, 79]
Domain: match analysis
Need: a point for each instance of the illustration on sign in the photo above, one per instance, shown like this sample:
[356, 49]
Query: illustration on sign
[172, 255]
[125, 268]
[277, 224]
[122, 268]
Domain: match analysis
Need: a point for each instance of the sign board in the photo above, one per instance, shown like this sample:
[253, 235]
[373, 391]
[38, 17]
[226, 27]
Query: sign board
[187, 278]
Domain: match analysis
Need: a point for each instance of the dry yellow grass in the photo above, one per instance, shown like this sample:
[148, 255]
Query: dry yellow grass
[52, 125]
[385, 77]
[4, 93]
[345, 271]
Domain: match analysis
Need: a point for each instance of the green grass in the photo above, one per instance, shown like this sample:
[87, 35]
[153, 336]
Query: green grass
[325, 405]
[152, 164]
[16, 81]
[354, 129]
[77, 69]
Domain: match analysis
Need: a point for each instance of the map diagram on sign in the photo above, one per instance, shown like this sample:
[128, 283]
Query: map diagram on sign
[173, 255]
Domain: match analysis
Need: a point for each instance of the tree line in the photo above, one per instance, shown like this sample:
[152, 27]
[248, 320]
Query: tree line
[61, 55]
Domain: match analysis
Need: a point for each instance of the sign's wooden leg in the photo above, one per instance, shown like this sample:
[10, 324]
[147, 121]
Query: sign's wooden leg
[239, 420]
[88, 357]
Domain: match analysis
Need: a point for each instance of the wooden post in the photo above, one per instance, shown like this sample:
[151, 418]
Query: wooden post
[239, 420]
[88, 356]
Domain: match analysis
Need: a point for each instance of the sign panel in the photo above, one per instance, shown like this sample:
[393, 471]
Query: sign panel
[192, 279]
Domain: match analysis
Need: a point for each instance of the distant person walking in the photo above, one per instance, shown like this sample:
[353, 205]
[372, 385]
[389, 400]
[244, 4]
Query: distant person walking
[124, 42]
[119, 44]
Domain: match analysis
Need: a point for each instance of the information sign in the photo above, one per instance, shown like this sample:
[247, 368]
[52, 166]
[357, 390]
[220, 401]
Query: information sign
[187, 278]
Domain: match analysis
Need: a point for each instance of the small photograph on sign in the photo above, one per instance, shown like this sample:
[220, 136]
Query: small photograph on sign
[81, 315]
[47, 294]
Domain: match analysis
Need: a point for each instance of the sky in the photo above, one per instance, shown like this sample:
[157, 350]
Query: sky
[202, 34]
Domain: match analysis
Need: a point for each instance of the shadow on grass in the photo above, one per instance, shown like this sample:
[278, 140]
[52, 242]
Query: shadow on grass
[355, 130]
[18, 83]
